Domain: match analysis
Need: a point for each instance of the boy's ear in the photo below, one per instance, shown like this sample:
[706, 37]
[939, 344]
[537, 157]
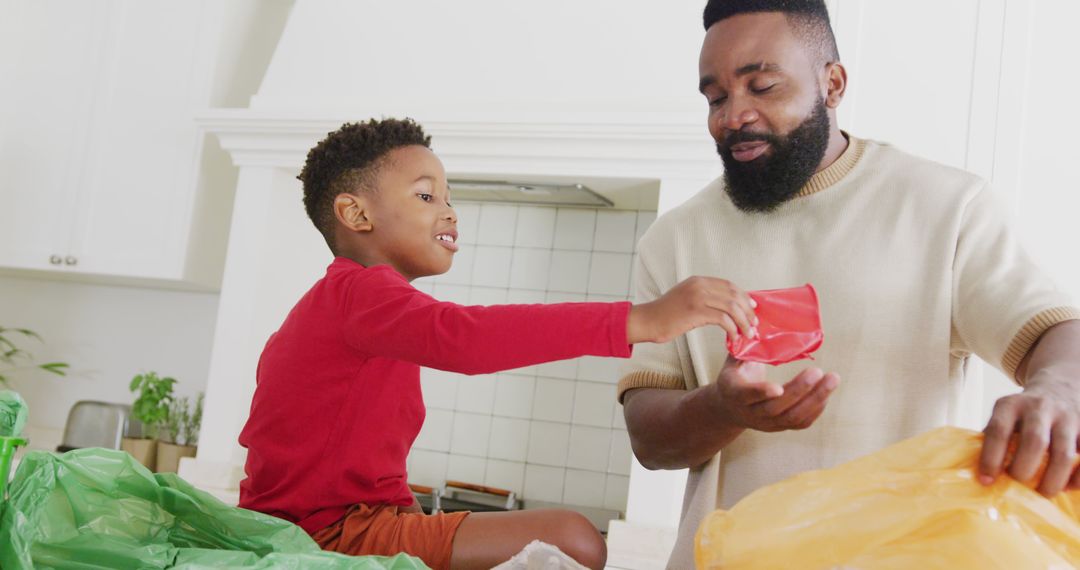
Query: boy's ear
[353, 212]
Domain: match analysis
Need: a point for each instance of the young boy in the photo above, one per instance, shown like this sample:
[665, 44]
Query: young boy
[338, 400]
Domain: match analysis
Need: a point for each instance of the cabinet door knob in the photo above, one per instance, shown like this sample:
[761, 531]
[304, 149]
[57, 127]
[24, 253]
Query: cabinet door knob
[55, 259]
[70, 260]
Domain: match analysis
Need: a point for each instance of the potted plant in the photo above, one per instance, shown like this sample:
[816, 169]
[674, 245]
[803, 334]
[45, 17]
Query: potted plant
[151, 408]
[13, 358]
[180, 434]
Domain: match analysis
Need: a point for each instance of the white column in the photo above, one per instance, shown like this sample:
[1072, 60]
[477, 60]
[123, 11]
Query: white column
[270, 241]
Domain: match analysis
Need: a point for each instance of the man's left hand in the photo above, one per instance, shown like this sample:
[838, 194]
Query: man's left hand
[1045, 417]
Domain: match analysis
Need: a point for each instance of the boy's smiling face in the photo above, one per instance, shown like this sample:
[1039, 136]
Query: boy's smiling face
[407, 221]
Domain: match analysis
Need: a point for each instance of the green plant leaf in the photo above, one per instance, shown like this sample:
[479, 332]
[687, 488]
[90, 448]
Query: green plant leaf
[58, 368]
[29, 333]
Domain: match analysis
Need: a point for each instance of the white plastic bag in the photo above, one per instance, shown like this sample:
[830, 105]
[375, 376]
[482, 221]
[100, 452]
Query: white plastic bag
[540, 556]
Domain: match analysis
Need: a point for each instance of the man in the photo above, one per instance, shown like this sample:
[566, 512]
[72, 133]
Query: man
[915, 268]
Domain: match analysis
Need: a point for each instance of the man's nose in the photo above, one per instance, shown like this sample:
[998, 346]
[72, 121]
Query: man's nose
[737, 114]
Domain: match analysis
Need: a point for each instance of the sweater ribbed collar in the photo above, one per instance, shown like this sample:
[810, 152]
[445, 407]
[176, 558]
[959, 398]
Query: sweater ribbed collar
[837, 170]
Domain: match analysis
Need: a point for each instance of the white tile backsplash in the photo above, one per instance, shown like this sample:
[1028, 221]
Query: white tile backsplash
[487, 296]
[619, 419]
[548, 443]
[569, 271]
[509, 439]
[530, 268]
[514, 395]
[461, 268]
[574, 229]
[558, 369]
[615, 231]
[589, 448]
[599, 369]
[466, 469]
[616, 492]
[435, 433]
[439, 388]
[551, 432]
[609, 274]
[525, 297]
[619, 462]
[544, 483]
[427, 467]
[644, 220]
[553, 400]
[468, 216]
[471, 434]
[535, 227]
[508, 475]
[594, 404]
[476, 394]
[492, 266]
[497, 224]
[452, 293]
[584, 488]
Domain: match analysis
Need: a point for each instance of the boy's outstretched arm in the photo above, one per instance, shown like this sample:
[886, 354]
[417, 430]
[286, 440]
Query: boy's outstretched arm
[391, 319]
[676, 429]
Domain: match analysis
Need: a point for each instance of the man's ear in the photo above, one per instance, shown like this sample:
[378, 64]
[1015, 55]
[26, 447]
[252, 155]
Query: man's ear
[353, 212]
[835, 84]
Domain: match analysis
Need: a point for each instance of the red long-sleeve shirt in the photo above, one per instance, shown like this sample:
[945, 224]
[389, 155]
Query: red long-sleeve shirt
[338, 405]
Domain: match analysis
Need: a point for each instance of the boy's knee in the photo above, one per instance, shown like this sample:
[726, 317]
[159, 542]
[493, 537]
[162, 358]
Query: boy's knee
[581, 540]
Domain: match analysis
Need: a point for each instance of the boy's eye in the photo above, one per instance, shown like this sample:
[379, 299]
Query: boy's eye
[426, 197]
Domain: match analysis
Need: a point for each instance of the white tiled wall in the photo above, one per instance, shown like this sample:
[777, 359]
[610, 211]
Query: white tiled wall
[551, 432]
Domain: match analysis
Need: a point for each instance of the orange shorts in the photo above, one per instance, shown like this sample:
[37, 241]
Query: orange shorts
[384, 531]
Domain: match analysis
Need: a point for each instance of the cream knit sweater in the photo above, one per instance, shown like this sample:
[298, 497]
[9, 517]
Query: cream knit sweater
[916, 270]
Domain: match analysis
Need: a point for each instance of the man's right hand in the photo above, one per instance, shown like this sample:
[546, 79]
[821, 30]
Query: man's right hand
[674, 429]
[743, 396]
[694, 302]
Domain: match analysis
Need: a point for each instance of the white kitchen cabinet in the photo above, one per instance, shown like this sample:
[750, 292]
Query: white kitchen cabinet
[103, 181]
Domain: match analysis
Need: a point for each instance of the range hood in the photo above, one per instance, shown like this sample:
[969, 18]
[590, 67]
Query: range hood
[537, 193]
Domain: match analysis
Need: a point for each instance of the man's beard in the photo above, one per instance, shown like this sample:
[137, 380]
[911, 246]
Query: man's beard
[764, 183]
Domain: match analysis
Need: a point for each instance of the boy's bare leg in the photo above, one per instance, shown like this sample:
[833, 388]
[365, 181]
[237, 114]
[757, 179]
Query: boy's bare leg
[487, 539]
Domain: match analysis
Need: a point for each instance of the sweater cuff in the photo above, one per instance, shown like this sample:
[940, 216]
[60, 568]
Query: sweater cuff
[620, 315]
[1029, 334]
[648, 379]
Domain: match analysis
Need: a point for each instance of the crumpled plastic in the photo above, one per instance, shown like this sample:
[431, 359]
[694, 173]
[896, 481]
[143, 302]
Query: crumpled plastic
[789, 327]
[539, 555]
[97, 508]
[916, 504]
[13, 413]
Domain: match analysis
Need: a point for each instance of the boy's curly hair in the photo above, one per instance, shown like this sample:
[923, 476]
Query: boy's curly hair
[348, 160]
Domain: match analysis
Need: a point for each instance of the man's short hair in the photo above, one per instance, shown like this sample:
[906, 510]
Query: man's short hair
[809, 19]
[347, 161]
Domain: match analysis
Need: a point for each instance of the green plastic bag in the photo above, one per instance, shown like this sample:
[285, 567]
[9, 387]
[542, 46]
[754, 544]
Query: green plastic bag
[97, 508]
[13, 413]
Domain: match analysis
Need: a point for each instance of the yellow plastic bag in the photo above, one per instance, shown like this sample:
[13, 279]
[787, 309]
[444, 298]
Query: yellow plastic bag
[915, 504]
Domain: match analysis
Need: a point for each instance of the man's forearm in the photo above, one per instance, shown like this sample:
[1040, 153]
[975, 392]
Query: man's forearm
[1057, 351]
[673, 429]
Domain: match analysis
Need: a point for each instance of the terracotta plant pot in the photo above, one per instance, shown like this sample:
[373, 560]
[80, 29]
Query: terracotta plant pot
[143, 450]
[169, 454]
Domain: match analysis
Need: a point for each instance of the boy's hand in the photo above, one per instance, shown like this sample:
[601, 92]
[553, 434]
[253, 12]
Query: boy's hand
[695, 302]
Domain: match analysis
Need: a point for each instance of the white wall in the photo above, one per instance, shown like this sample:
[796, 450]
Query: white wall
[110, 332]
[107, 334]
[488, 56]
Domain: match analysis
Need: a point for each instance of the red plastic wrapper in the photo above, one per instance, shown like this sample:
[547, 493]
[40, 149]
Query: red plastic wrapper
[789, 327]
